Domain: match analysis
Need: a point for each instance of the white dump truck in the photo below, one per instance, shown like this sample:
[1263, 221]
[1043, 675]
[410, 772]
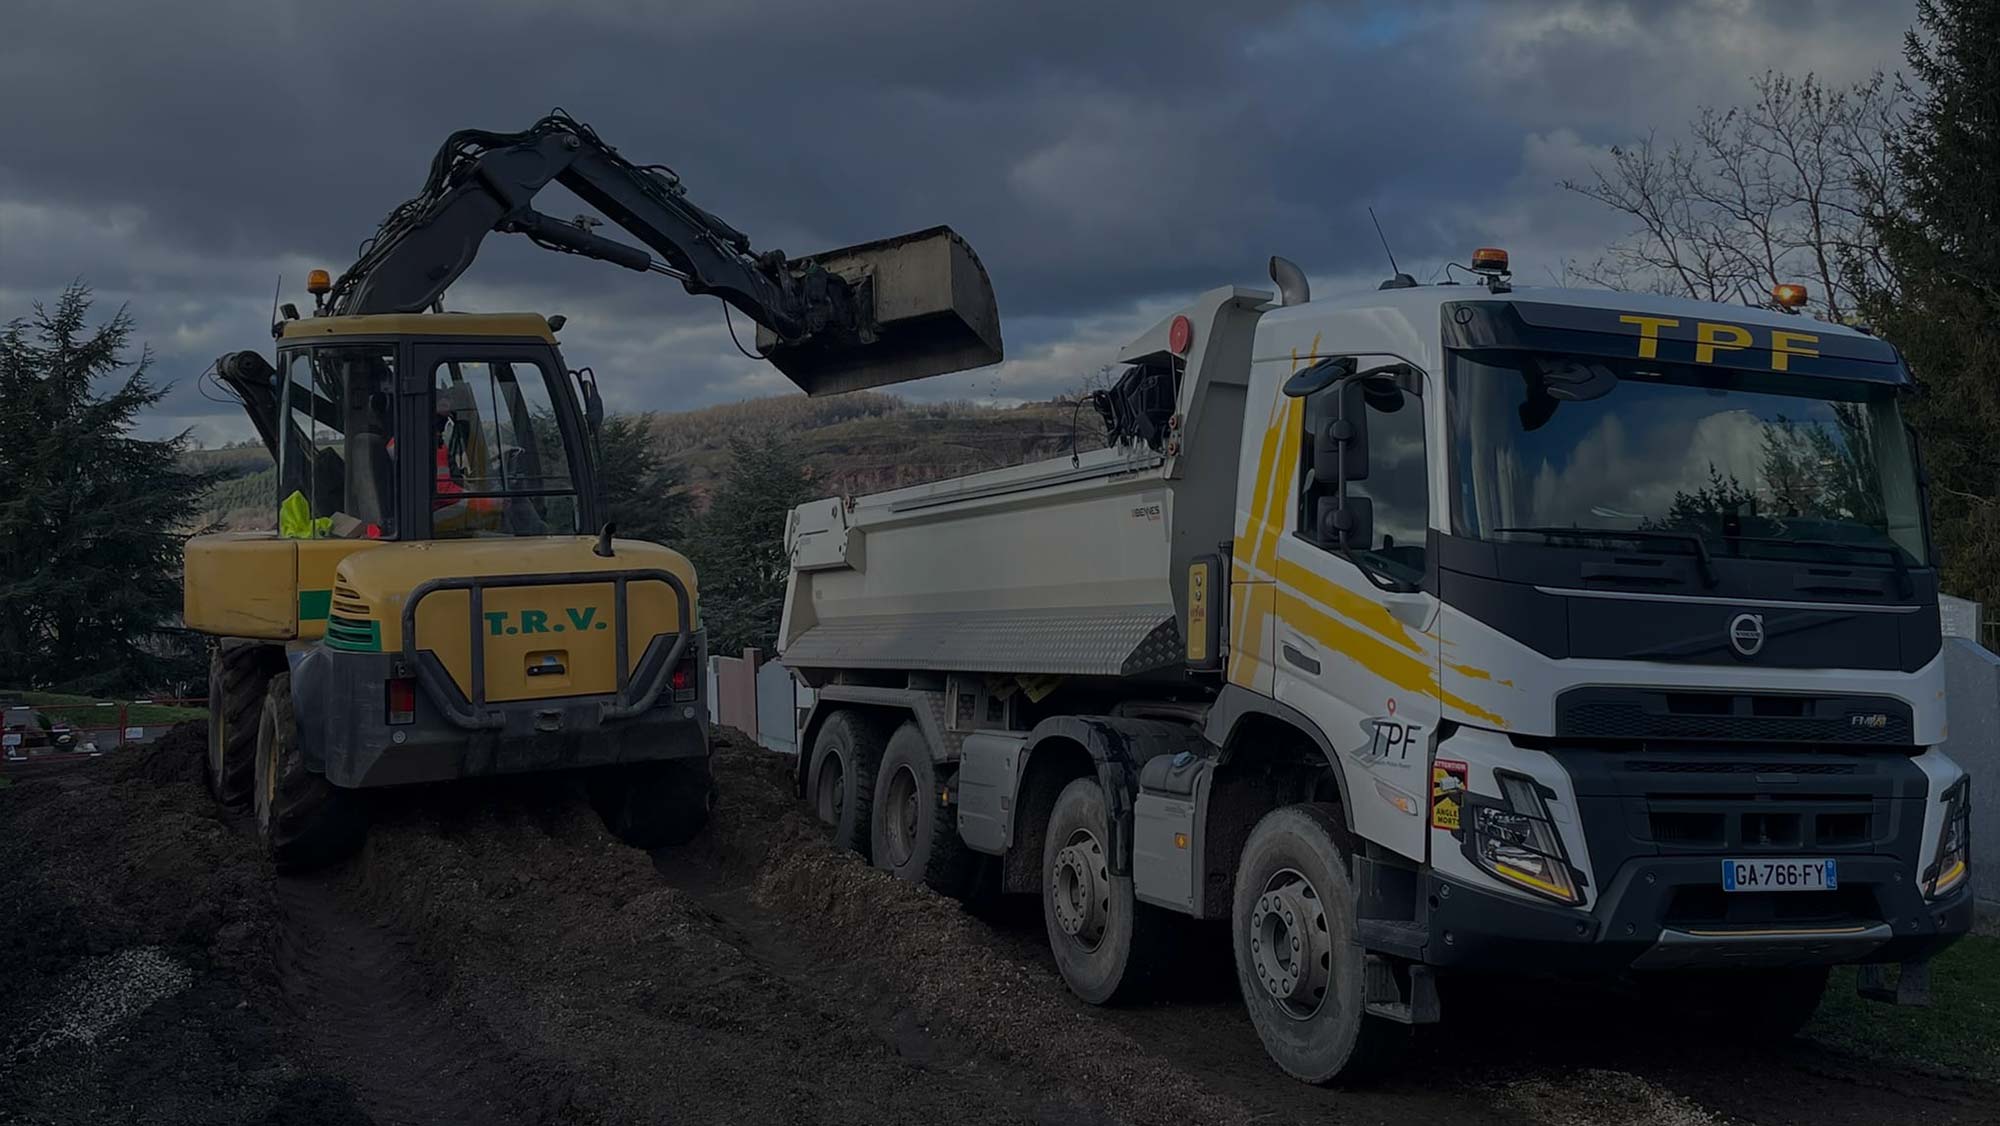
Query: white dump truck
[1434, 628]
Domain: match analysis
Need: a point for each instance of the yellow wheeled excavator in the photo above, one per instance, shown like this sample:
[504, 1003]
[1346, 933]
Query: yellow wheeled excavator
[442, 596]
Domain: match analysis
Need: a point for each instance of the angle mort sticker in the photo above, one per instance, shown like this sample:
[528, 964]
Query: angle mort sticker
[1447, 788]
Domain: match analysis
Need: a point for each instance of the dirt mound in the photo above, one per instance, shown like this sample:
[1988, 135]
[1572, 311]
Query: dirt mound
[175, 757]
[136, 979]
[493, 956]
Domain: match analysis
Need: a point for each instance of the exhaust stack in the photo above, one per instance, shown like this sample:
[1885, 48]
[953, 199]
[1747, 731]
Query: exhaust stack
[933, 313]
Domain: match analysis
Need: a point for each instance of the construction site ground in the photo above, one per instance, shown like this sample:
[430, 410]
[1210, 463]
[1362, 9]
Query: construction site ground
[493, 957]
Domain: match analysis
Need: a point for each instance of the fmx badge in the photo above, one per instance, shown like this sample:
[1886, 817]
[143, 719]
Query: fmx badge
[1447, 793]
[537, 621]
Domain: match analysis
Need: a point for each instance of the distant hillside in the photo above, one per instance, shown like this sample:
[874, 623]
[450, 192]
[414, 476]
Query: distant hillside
[242, 498]
[860, 443]
[867, 442]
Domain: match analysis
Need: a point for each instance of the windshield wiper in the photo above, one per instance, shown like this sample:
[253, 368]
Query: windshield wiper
[1895, 554]
[1704, 562]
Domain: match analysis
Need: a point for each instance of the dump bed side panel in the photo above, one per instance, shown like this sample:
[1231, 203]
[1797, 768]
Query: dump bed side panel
[1050, 568]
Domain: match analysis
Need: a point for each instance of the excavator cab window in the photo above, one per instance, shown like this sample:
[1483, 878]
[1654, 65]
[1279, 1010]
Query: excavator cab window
[336, 448]
[497, 448]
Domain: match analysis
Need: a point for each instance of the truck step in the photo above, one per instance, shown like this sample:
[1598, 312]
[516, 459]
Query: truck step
[1401, 937]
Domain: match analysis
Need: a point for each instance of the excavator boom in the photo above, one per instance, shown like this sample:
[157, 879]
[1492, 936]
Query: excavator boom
[862, 316]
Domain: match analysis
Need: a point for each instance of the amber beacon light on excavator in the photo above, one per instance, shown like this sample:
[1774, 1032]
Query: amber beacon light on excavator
[442, 596]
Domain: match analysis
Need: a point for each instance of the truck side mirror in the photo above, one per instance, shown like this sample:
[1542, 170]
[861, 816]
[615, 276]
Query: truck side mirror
[1340, 448]
[1347, 523]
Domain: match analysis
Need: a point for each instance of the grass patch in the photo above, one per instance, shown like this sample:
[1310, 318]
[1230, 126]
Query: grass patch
[1959, 1032]
[80, 710]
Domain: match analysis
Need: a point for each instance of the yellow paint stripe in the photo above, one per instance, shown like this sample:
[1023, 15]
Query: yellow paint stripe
[1399, 668]
[1802, 932]
[1283, 474]
[1364, 611]
[1246, 540]
[1280, 473]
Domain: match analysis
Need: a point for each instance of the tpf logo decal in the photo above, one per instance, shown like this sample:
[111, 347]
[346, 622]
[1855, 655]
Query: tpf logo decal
[1389, 739]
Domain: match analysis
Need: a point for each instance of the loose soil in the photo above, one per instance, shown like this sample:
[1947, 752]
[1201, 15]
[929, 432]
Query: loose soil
[492, 956]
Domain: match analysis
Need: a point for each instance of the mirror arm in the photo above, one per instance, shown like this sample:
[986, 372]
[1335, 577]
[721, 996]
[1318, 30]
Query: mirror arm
[1381, 578]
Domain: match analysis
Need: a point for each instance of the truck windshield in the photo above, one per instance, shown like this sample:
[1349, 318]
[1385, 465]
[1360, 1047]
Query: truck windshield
[1754, 463]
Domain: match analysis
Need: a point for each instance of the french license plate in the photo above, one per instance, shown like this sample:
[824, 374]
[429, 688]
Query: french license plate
[1779, 875]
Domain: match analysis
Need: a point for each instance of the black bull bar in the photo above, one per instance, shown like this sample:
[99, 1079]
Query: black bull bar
[630, 700]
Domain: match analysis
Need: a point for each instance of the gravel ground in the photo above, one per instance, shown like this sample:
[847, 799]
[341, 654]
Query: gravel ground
[493, 957]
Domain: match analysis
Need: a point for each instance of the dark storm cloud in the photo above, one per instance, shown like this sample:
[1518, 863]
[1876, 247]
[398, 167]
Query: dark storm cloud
[1103, 159]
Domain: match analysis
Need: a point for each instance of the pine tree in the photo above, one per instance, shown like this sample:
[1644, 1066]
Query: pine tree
[1942, 243]
[644, 493]
[92, 519]
[739, 546]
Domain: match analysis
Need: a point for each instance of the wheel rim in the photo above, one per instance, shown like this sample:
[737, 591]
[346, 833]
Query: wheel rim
[900, 818]
[831, 800]
[1080, 890]
[1291, 948]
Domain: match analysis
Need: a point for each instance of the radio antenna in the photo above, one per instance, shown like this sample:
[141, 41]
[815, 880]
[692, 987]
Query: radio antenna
[1385, 241]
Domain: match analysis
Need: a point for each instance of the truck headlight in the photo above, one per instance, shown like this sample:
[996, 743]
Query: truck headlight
[1954, 850]
[1515, 841]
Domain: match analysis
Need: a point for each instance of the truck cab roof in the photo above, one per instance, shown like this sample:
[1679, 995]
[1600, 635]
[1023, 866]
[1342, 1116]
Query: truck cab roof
[1407, 322]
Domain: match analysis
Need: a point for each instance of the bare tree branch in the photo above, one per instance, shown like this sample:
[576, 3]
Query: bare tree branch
[1779, 190]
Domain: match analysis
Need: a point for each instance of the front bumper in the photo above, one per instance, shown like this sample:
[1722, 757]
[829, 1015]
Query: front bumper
[340, 701]
[1630, 927]
[1657, 825]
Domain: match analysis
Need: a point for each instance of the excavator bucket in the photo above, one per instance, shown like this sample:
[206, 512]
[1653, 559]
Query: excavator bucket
[933, 313]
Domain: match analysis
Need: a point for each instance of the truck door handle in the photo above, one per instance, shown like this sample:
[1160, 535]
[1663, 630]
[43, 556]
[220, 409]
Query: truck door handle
[1300, 659]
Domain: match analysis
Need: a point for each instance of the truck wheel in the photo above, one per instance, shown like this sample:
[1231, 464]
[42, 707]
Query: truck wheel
[1739, 1006]
[842, 781]
[237, 678]
[1107, 944]
[911, 836]
[1298, 956]
[303, 820]
[654, 804]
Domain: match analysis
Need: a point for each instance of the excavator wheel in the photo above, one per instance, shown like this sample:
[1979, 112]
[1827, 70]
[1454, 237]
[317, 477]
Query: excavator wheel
[654, 804]
[238, 674]
[303, 820]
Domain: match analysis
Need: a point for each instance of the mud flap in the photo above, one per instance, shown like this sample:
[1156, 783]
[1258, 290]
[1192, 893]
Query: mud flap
[1912, 987]
[1403, 992]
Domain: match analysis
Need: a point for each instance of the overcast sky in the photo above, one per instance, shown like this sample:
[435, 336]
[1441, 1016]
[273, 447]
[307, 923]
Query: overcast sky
[1105, 160]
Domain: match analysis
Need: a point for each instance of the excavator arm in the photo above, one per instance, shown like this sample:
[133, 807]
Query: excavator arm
[862, 316]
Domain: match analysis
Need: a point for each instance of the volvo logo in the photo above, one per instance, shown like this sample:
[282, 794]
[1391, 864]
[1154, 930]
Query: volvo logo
[1746, 634]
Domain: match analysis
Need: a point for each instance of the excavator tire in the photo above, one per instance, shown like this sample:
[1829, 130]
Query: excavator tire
[238, 674]
[303, 820]
[654, 804]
